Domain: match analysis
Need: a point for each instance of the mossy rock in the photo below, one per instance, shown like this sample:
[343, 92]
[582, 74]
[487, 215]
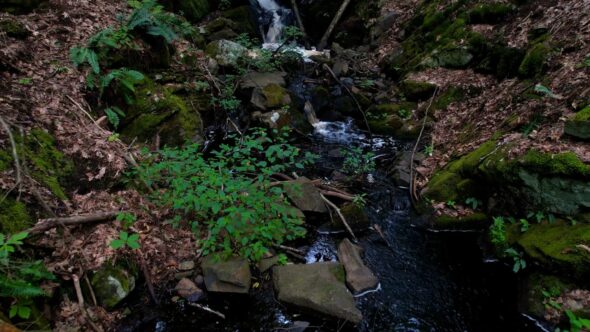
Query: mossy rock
[579, 125]
[270, 96]
[13, 28]
[555, 247]
[500, 60]
[417, 91]
[533, 63]
[112, 284]
[489, 13]
[244, 20]
[562, 164]
[477, 220]
[14, 216]
[451, 58]
[536, 285]
[387, 125]
[19, 6]
[46, 163]
[355, 216]
[156, 110]
[451, 95]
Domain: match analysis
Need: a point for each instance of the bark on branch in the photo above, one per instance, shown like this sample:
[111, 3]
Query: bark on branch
[49, 223]
[324, 40]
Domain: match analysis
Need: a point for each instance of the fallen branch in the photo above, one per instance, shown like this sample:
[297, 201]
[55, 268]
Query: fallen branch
[337, 194]
[14, 150]
[333, 206]
[49, 223]
[80, 297]
[291, 249]
[148, 279]
[413, 195]
[324, 40]
[358, 106]
[206, 308]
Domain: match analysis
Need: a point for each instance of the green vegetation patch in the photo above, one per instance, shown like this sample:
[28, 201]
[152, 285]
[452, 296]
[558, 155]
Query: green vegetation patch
[14, 216]
[562, 164]
[534, 61]
[489, 13]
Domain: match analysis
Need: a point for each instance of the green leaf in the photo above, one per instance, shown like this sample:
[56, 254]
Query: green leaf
[117, 243]
[24, 312]
[17, 238]
[93, 61]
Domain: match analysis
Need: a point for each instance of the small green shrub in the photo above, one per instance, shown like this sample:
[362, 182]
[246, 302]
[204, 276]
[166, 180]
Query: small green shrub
[357, 162]
[577, 324]
[228, 199]
[517, 257]
[498, 233]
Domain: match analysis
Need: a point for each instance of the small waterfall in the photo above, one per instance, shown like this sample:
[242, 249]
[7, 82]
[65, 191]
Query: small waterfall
[274, 18]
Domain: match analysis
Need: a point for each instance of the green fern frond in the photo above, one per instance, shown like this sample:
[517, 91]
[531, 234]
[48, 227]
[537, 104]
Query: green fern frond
[19, 288]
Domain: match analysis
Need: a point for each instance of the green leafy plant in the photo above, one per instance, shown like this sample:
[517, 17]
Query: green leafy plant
[473, 202]
[154, 20]
[357, 162]
[359, 200]
[126, 80]
[283, 260]
[404, 113]
[498, 233]
[20, 279]
[25, 81]
[227, 199]
[126, 219]
[126, 239]
[586, 61]
[429, 150]
[524, 225]
[292, 32]
[114, 115]
[577, 324]
[450, 203]
[517, 257]
[366, 84]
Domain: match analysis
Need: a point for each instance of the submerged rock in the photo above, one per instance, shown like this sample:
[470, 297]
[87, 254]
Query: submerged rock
[229, 276]
[304, 195]
[358, 276]
[111, 285]
[319, 287]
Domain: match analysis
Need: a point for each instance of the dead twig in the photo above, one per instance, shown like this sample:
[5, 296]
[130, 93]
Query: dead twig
[49, 223]
[90, 289]
[337, 194]
[291, 249]
[206, 308]
[148, 279]
[333, 206]
[80, 297]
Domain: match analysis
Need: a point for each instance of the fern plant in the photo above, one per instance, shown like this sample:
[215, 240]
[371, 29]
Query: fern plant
[20, 280]
[151, 16]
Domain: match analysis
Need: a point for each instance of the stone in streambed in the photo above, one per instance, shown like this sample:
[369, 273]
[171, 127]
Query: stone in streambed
[225, 52]
[270, 96]
[229, 276]
[189, 290]
[304, 195]
[358, 276]
[261, 80]
[355, 216]
[319, 287]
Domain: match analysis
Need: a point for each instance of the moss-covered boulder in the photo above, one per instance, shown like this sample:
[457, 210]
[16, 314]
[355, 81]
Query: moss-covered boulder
[417, 91]
[477, 220]
[489, 13]
[14, 216]
[533, 63]
[452, 58]
[244, 20]
[579, 125]
[156, 110]
[111, 285]
[535, 290]
[270, 96]
[557, 246]
[355, 216]
[393, 119]
[193, 10]
[225, 52]
[13, 28]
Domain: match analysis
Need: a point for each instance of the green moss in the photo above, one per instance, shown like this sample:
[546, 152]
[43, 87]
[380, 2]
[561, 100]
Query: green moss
[451, 95]
[534, 61]
[476, 220]
[6, 160]
[14, 216]
[275, 95]
[112, 284]
[554, 245]
[443, 186]
[13, 28]
[563, 164]
[489, 13]
[583, 115]
[355, 215]
[537, 285]
[157, 110]
[193, 10]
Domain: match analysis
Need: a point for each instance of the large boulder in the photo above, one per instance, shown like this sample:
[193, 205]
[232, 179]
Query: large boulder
[319, 287]
[579, 125]
[304, 195]
[270, 96]
[226, 276]
[358, 276]
[225, 52]
[261, 80]
[111, 285]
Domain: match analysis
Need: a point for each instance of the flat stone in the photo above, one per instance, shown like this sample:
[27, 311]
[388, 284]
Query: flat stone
[261, 80]
[266, 263]
[229, 276]
[304, 195]
[188, 290]
[319, 287]
[186, 265]
[358, 276]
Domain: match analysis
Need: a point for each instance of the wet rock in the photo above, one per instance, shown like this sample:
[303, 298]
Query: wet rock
[261, 80]
[319, 287]
[355, 216]
[452, 58]
[340, 67]
[225, 52]
[267, 262]
[417, 91]
[270, 96]
[400, 171]
[244, 19]
[229, 276]
[275, 119]
[111, 285]
[189, 290]
[358, 276]
[304, 195]
[200, 280]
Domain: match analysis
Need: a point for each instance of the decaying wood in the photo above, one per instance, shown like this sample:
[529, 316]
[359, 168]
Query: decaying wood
[49, 223]
[333, 206]
[326, 36]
